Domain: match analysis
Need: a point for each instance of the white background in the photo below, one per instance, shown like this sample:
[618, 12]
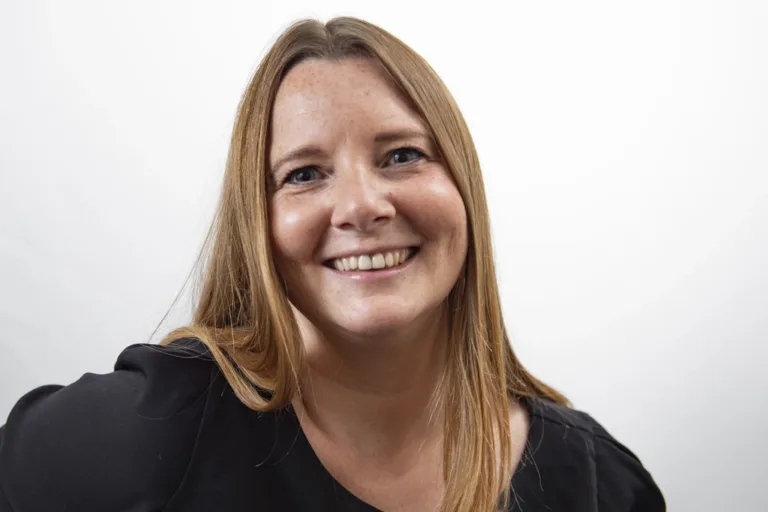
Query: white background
[624, 152]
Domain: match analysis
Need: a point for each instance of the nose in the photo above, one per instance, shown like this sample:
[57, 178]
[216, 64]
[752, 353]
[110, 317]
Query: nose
[361, 201]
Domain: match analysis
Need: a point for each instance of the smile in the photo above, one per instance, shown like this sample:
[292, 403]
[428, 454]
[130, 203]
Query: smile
[374, 261]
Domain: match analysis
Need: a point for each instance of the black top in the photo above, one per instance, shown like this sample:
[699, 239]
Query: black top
[165, 432]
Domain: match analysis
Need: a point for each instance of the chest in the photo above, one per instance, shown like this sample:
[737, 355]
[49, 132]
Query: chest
[410, 481]
[246, 462]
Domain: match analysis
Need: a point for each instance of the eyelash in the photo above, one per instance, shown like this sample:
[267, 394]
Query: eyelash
[420, 155]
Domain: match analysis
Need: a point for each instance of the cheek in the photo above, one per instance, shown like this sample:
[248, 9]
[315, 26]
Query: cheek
[295, 229]
[437, 208]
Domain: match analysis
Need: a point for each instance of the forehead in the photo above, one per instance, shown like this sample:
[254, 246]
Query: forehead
[318, 96]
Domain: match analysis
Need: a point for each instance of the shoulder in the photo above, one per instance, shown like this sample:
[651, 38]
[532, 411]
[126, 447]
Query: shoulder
[621, 480]
[123, 437]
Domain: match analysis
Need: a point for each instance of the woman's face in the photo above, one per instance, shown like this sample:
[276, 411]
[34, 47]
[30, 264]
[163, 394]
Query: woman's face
[368, 228]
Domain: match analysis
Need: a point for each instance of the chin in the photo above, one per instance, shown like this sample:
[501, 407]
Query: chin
[374, 328]
[375, 325]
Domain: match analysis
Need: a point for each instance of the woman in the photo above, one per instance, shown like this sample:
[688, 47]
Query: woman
[348, 351]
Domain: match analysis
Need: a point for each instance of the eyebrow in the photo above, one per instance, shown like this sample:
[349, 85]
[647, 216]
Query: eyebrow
[396, 135]
[297, 154]
[312, 151]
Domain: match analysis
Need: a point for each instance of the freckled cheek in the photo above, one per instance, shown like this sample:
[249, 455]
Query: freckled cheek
[437, 210]
[296, 232]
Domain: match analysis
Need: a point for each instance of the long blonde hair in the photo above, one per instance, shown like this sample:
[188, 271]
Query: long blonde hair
[245, 319]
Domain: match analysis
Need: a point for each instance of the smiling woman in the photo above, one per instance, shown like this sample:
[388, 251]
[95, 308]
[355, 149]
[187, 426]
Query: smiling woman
[373, 187]
[348, 351]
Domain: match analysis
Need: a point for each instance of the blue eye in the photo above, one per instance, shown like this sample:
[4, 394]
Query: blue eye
[404, 156]
[301, 175]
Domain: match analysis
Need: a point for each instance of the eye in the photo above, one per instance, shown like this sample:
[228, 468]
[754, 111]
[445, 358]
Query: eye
[404, 156]
[301, 175]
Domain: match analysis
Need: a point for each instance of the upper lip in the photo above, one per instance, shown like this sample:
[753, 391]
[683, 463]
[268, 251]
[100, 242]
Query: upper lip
[373, 250]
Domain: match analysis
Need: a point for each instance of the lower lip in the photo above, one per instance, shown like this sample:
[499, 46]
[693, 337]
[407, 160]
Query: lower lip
[374, 275]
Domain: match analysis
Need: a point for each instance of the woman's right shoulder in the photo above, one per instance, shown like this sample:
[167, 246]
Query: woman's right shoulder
[120, 440]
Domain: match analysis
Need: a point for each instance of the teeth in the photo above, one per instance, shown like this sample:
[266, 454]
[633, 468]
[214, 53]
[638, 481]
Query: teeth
[378, 261]
[372, 261]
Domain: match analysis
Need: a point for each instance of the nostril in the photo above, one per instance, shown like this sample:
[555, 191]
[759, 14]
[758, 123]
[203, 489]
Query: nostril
[362, 212]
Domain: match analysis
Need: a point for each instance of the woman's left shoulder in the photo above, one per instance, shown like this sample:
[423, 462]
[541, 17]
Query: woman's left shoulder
[622, 482]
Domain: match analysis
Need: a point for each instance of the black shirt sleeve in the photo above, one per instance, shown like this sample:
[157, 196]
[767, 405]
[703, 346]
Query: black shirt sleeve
[119, 441]
[572, 463]
[622, 481]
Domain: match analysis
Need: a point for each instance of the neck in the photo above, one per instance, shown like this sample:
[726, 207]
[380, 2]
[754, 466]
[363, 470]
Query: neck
[375, 396]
